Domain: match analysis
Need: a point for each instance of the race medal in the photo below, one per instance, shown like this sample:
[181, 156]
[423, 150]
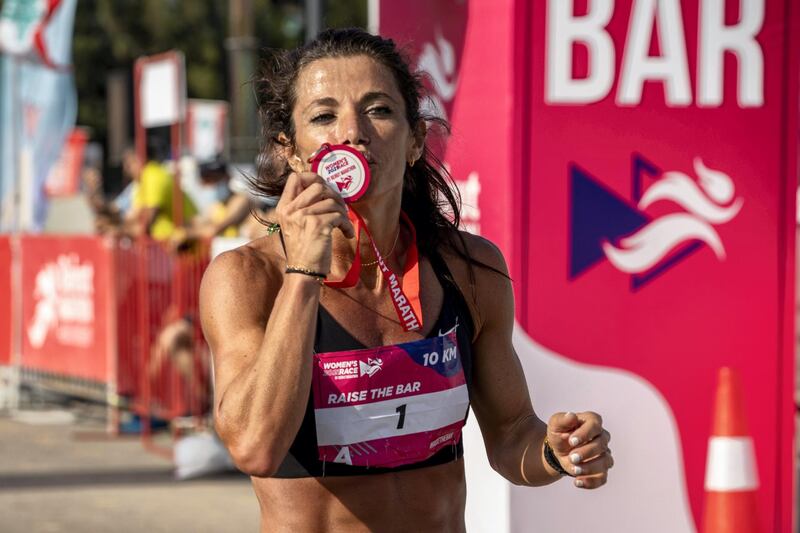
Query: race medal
[389, 406]
[344, 169]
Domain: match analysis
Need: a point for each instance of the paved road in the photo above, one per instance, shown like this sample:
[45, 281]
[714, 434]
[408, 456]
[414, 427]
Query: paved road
[57, 473]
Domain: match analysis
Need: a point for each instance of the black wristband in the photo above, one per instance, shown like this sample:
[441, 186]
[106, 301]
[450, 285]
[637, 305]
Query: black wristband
[552, 460]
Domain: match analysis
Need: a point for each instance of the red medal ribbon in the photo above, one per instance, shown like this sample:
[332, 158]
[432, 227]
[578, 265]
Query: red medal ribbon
[405, 293]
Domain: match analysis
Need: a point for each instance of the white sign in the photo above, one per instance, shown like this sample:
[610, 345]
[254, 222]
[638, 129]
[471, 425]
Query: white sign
[207, 127]
[162, 91]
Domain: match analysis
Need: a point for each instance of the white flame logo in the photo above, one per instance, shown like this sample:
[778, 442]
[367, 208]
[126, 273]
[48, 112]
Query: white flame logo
[440, 63]
[371, 367]
[704, 205]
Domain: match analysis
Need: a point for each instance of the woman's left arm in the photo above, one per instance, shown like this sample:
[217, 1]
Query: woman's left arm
[514, 436]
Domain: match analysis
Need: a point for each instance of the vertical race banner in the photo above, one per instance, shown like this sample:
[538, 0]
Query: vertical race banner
[38, 104]
[637, 166]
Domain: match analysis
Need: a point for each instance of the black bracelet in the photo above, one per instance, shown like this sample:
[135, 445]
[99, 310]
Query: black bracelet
[552, 460]
[305, 271]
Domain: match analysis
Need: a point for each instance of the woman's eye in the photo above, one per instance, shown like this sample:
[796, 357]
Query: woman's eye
[322, 118]
[379, 111]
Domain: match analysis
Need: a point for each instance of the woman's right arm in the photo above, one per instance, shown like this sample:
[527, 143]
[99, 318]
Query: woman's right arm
[260, 325]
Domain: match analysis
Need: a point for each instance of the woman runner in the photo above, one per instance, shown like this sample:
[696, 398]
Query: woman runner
[350, 343]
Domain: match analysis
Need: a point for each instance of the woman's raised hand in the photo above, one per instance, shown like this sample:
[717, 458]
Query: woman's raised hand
[308, 212]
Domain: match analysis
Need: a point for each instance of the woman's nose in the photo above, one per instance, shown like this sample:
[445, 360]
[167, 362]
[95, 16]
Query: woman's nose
[352, 129]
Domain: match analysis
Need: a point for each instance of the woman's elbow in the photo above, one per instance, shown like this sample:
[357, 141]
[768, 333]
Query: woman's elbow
[256, 461]
[254, 456]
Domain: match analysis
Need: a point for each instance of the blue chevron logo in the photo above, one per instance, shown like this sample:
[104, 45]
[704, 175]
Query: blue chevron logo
[598, 214]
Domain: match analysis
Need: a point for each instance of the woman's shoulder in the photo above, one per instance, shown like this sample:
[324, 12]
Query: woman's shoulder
[462, 248]
[252, 270]
[479, 269]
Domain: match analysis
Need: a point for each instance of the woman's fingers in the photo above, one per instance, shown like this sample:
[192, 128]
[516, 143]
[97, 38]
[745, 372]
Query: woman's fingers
[590, 450]
[591, 482]
[339, 220]
[293, 187]
[328, 205]
[315, 192]
[306, 194]
[594, 473]
[598, 465]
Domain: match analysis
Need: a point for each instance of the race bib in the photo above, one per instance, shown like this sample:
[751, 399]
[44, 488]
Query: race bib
[389, 406]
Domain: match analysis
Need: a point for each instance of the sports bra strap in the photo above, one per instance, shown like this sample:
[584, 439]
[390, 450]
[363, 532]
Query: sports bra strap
[445, 277]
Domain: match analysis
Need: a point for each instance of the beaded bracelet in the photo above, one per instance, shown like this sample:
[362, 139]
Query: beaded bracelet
[552, 460]
[305, 271]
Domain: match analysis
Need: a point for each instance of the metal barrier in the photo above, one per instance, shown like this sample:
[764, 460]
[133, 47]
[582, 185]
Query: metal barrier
[115, 321]
[163, 364]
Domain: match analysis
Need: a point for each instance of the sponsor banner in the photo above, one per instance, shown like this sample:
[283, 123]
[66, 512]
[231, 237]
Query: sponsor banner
[6, 302]
[65, 286]
[636, 162]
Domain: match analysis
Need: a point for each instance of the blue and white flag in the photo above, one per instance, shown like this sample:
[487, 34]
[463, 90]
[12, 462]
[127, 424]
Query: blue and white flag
[38, 104]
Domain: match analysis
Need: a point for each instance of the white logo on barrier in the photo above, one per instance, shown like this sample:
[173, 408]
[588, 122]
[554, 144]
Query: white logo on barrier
[439, 61]
[707, 204]
[371, 367]
[64, 295]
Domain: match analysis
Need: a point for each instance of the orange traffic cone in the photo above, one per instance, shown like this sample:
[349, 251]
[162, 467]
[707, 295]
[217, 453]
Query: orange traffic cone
[731, 477]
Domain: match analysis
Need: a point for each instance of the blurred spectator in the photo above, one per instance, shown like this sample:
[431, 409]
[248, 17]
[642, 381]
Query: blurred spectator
[228, 209]
[152, 198]
[175, 350]
[123, 202]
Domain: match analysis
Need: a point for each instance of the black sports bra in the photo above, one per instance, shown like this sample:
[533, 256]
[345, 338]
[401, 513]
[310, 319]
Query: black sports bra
[302, 459]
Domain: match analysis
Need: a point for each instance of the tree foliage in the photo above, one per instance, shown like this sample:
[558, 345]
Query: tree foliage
[111, 34]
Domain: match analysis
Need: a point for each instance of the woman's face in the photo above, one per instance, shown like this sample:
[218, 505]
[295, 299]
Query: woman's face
[355, 101]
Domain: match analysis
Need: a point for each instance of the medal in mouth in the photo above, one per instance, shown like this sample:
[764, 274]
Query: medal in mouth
[343, 168]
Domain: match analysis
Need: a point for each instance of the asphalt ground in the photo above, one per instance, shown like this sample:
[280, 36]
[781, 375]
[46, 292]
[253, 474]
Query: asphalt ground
[59, 472]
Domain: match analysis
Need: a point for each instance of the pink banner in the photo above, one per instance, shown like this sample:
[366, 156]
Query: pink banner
[636, 162]
[65, 291]
[661, 210]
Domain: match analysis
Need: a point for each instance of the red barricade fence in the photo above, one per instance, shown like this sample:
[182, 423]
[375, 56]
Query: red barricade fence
[115, 320]
[163, 362]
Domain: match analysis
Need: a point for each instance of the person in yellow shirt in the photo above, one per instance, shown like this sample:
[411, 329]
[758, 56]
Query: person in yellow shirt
[152, 198]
